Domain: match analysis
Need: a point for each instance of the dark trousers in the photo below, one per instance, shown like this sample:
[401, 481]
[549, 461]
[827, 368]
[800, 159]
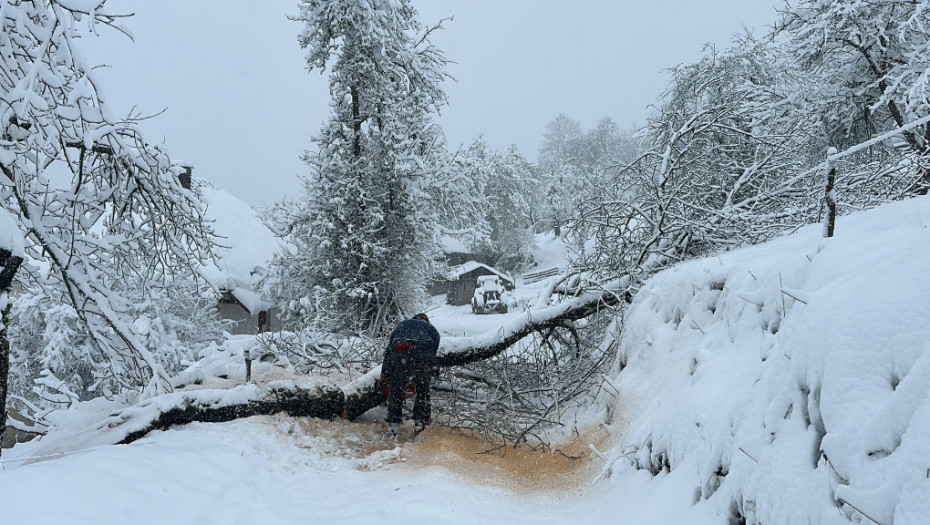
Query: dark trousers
[413, 364]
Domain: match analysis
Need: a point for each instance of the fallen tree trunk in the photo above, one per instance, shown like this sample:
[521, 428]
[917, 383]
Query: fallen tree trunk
[281, 396]
[349, 401]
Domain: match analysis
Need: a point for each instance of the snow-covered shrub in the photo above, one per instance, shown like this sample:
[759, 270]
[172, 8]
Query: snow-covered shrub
[48, 336]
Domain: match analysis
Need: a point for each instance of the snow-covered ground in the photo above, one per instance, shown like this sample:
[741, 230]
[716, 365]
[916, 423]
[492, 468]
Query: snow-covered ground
[261, 470]
[783, 383]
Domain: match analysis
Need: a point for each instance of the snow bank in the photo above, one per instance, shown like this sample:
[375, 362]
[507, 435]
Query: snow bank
[787, 382]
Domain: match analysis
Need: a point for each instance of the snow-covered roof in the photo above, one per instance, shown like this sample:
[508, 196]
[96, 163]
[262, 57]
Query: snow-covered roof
[245, 245]
[252, 301]
[469, 266]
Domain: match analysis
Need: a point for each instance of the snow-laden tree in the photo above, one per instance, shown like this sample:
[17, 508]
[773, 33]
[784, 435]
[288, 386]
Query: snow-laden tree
[366, 233]
[458, 197]
[507, 198]
[714, 176]
[561, 164]
[871, 65]
[106, 222]
[607, 145]
[573, 162]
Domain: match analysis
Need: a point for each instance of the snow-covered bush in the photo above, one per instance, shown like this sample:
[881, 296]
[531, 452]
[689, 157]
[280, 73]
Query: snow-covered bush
[174, 324]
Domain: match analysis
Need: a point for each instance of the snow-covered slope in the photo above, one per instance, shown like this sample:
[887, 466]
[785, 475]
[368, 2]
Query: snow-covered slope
[787, 382]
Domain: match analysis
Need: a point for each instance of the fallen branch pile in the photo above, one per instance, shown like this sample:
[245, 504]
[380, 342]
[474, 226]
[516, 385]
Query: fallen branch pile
[348, 401]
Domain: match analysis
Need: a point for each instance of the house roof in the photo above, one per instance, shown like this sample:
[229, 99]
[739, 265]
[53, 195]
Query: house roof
[245, 245]
[470, 266]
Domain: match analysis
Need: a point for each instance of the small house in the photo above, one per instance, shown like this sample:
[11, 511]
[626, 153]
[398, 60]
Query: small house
[244, 247]
[463, 279]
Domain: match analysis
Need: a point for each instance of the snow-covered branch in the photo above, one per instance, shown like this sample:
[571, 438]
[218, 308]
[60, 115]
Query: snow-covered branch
[101, 209]
[348, 401]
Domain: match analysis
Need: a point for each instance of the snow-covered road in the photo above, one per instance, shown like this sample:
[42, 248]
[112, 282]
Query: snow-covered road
[284, 470]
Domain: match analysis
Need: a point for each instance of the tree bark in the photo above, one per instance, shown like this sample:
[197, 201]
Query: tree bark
[349, 401]
[9, 264]
[829, 220]
[320, 402]
[4, 366]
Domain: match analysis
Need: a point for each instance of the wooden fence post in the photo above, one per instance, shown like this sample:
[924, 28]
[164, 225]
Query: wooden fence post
[248, 364]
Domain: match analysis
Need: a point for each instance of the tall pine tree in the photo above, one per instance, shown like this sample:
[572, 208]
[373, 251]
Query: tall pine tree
[365, 236]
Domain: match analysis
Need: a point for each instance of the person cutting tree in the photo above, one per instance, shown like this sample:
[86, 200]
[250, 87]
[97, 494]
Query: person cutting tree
[409, 358]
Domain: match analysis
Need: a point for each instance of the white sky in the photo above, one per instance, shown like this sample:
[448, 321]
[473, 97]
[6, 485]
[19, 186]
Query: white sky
[241, 107]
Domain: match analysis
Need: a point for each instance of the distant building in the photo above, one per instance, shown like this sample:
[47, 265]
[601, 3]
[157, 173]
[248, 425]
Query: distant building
[245, 246]
[462, 280]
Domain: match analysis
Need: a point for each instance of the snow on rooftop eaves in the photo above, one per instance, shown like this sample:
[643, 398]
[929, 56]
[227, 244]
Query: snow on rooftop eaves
[252, 301]
[245, 243]
[468, 266]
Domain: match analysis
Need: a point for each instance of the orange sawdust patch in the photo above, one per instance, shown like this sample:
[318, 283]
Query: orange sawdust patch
[520, 469]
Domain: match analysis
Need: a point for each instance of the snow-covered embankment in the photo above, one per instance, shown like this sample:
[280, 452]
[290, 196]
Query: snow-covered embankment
[787, 382]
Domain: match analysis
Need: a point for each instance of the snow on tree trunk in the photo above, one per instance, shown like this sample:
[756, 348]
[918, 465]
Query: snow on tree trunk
[829, 219]
[11, 251]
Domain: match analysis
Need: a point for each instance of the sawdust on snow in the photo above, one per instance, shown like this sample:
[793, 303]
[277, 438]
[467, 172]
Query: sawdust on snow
[566, 470]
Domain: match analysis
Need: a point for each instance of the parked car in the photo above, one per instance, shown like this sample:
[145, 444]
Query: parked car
[488, 296]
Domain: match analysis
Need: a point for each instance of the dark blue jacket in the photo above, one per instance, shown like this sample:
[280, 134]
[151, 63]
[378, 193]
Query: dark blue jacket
[415, 332]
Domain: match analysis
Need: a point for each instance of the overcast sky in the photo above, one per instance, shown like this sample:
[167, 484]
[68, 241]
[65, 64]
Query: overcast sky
[240, 106]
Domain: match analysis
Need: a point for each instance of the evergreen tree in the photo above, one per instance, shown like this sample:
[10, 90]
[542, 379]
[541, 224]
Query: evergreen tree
[509, 191]
[366, 236]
